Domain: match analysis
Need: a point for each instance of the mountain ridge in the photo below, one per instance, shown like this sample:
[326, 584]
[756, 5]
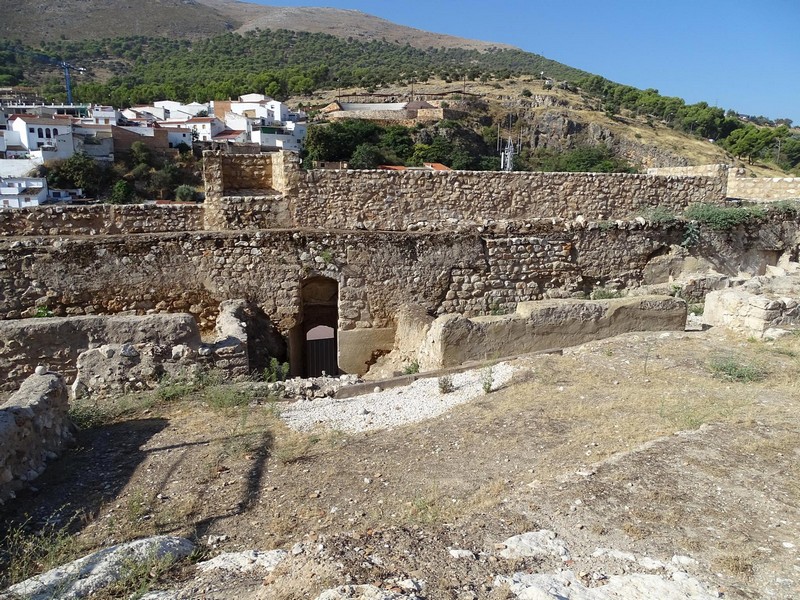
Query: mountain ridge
[67, 20]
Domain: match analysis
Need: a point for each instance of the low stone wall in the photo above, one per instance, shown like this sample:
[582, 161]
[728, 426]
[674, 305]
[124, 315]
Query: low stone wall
[57, 342]
[453, 339]
[100, 219]
[34, 428]
[764, 189]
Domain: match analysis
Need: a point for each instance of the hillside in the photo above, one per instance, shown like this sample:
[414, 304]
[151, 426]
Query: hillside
[187, 19]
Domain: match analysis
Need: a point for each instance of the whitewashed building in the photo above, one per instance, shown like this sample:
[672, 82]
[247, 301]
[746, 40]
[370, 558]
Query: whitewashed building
[22, 192]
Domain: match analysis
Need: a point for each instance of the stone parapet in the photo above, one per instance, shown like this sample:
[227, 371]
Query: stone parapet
[100, 219]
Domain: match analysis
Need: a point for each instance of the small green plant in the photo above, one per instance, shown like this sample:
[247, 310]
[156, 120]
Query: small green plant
[227, 396]
[276, 371]
[696, 309]
[691, 235]
[602, 293]
[42, 311]
[724, 218]
[411, 368]
[326, 256]
[487, 380]
[606, 225]
[786, 208]
[446, 384]
[660, 216]
[495, 309]
[729, 368]
[174, 389]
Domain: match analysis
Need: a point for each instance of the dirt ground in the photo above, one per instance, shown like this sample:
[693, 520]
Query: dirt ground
[644, 444]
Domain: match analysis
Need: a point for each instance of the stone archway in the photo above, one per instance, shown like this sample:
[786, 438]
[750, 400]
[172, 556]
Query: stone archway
[313, 342]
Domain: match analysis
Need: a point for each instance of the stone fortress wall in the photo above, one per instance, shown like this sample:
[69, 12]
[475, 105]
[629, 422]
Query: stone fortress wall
[458, 242]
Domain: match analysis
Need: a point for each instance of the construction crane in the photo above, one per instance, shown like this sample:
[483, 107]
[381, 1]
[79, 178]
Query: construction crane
[63, 65]
[68, 79]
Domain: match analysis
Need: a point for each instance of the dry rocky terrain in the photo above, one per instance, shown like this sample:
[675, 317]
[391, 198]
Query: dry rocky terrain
[671, 455]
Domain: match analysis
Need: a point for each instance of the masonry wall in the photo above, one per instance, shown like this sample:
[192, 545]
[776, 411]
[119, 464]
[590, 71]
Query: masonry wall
[692, 171]
[764, 188]
[407, 200]
[100, 219]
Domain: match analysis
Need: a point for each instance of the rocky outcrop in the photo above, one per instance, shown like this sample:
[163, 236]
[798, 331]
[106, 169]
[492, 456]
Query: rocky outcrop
[34, 428]
[90, 574]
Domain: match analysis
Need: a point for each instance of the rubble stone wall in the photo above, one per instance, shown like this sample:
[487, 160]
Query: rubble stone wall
[430, 200]
[34, 428]
[376, 272]
[100, 219]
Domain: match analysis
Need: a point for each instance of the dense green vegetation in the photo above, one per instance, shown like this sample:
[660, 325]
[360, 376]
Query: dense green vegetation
[278, 63]
[365, 145]
[757, 138]
[140, 175]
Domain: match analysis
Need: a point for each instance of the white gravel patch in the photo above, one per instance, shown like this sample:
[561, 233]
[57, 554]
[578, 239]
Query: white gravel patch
[397, 406]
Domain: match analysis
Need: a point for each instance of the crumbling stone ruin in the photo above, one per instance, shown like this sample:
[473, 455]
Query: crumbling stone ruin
[325, 259]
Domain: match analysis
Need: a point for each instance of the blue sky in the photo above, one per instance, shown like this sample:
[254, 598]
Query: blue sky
[738, 54]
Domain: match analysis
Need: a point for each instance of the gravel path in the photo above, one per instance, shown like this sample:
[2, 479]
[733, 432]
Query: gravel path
[398, 406]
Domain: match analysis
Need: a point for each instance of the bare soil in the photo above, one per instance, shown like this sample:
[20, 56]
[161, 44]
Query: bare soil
[632, 443]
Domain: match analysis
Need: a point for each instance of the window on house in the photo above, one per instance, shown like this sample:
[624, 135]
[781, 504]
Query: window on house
[39, 132]
[47, 133]
[55, 132]
[31, 130]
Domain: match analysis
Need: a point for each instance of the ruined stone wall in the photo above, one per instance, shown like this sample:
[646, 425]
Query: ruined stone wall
[57, 342]
[376, 272]
[34, 428]
[765, 189]
[100, 219]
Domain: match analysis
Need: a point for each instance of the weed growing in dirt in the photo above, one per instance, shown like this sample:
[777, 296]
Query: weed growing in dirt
[171, 390]
[137, 578]
[276, 371]
[660, 216]
[411, 368]
[487, 380]
[86, 414]
[696, 309]
[734, 564]
[26, 551]
[731, 369]
[227, 396]
[446, 384]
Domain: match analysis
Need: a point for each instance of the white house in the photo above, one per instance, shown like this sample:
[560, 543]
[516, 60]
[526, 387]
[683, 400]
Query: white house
[45, 139]
[102, 115]
[206, 128]
[289, 136]
[179, 135]
[176, 110]
[22, 192]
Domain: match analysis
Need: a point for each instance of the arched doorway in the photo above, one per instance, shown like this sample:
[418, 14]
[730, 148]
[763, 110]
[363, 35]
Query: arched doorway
[313, 341]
